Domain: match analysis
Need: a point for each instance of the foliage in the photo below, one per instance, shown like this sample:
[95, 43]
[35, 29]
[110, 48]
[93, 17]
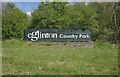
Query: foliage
[14, 22]
[65, 15]
[102, 18]
[62, 15]
[48, 16]
[104, 44]
[108, 21]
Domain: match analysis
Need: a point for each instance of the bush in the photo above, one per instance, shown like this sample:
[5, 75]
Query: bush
[103, 44]
[14, 22]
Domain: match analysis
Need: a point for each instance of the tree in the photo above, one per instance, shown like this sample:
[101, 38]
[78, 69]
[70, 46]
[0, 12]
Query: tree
[116, 20]
[64, 15]
[106, 17]
[14, 22]
[88, 18]
[48, 15]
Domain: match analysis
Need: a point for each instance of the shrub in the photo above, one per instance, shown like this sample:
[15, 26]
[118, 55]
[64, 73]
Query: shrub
[14, 22]
[103, 44]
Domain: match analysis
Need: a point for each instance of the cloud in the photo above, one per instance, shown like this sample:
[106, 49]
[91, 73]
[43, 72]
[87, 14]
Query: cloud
[73, 0]
[29, 13]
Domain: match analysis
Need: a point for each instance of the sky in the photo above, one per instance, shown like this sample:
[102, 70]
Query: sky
[30, 6]
[26, 6]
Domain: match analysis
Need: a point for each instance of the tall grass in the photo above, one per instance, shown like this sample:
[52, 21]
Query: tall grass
[22, 58]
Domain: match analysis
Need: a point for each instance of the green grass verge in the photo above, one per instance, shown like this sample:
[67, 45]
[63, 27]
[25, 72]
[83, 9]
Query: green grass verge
[21, 58]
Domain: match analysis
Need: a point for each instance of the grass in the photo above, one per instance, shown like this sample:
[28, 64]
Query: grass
[24, 58]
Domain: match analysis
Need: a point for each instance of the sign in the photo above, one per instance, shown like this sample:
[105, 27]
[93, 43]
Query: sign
[57, 35]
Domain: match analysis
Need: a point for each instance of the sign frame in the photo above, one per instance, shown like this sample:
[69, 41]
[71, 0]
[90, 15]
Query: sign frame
[58, 35]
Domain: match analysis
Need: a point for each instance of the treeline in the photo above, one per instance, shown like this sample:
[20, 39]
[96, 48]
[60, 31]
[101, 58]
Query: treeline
[102, 18]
